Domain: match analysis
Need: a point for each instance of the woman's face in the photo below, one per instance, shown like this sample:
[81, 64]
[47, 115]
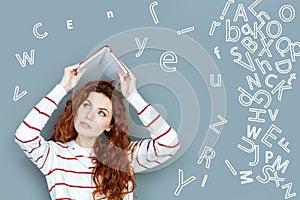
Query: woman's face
[93, 115]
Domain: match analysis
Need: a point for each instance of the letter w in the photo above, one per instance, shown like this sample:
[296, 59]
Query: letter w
[25, 58]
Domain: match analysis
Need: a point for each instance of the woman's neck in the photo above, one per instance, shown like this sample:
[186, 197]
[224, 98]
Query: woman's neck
[85, 142]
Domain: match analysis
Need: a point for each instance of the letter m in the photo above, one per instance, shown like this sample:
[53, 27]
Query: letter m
[280, 165]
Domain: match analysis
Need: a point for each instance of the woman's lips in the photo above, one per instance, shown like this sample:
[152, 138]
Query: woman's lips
[85, 125]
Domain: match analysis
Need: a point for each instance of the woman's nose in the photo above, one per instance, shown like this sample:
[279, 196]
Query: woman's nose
[90, 114]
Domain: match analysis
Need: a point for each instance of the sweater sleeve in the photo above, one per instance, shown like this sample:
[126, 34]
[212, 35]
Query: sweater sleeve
[28, 136]
[162, 145]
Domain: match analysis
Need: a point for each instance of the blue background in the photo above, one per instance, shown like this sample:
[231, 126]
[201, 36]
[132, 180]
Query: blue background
[62, 47]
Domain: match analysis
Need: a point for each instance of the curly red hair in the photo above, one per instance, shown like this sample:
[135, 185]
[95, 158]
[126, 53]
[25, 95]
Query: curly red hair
[112, 173]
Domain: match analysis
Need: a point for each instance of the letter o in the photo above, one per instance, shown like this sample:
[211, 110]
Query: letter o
[290, 9]
[279, 29]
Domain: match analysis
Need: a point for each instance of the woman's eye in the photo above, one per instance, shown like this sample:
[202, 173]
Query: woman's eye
[101, 113]
[86, 105]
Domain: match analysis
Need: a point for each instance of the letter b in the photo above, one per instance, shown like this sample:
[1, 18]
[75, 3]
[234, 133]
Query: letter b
[249, 44]
[229, 30]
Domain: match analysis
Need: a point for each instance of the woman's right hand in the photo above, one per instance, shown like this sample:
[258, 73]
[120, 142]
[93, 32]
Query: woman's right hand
[71, 77]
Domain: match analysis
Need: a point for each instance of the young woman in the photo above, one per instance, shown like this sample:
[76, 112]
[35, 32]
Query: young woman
[90, 154]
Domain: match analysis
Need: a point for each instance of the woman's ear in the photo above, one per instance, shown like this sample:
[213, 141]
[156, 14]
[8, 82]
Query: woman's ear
[111, 124]
[109, 128]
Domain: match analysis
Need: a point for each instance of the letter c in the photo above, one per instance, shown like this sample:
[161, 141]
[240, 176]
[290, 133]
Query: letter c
[35, 32]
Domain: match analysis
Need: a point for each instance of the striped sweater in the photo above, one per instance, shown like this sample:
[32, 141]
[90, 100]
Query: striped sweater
[67, 167]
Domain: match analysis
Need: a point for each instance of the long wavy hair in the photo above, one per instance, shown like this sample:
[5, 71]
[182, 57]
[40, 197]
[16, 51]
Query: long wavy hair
[112, 173]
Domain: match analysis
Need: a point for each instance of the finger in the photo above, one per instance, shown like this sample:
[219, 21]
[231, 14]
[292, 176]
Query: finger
[125, 77]
[130, 75]
[127, 69]
[81, 72]
[119, 74]
[71, 70]
[122, 78]
[72, 67]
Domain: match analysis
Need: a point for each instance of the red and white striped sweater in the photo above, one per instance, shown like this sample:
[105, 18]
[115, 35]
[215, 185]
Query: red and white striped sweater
[68, 167]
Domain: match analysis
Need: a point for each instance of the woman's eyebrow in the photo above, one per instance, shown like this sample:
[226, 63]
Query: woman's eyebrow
[104, 109]
[99, 107]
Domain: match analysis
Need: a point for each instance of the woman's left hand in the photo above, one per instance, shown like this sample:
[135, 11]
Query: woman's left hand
[128, 83]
